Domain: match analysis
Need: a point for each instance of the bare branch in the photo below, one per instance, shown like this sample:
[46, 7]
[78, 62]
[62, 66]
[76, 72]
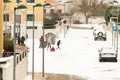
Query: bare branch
[88, 7]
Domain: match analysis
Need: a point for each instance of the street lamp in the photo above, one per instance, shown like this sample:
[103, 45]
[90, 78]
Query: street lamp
[65, 21]
[64, 15]
[69, 10]
[14, 39]
[18, 21]
[37, 5]
[43, 56]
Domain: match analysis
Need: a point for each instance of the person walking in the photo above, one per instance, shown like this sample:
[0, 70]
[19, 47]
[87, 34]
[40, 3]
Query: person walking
[58, 44]
[67, 27]
[22, 40]
[41, 39]
[49, 43]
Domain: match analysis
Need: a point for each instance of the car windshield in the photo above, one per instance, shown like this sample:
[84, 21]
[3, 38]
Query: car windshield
[108, 50]
[99, 27]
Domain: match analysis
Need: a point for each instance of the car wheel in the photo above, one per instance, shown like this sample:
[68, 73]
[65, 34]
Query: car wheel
[100, 34]
[115, 60]
[105, 38]
[100, 60]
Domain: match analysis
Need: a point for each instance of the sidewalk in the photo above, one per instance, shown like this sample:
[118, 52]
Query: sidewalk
[50, 76]
[37, 76]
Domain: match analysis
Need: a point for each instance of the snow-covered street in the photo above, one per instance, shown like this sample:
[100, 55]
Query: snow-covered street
[78, 56]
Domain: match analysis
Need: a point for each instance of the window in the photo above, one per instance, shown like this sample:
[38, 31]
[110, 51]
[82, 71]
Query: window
[6, 17]
[18, 18]
[6, 1]
[52, 11]
[59, 11]
[31, 27]
[20, 57]
[18, 1]
[29, 17]
[45, 11]
[30, 1]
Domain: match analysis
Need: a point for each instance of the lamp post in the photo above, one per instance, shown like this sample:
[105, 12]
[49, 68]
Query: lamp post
[111, 20]
[64, 15]
[69, 10]
[65, 21]
[37, 5]
[43, 52]
[14, 39]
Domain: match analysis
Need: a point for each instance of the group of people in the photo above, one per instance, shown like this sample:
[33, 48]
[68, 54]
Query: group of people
[58, 44]
[21, 40]
[49, 43]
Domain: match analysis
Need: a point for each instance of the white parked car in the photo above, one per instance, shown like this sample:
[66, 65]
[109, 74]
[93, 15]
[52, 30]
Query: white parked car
[99, 33]
[107, 53]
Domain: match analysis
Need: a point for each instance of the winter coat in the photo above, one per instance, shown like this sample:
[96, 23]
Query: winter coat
[58, 43]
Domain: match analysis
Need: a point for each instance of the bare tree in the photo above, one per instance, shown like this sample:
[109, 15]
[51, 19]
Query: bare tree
[88, 7]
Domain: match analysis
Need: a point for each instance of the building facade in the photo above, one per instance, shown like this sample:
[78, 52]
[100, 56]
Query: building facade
[24, 18]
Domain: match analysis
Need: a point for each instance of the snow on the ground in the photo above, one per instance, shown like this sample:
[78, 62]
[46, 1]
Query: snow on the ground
[84, 25]
[78, 55]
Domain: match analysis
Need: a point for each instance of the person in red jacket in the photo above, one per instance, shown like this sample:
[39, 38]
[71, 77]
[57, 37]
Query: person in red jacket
[41, 38]
[52, 49]
[41, 41]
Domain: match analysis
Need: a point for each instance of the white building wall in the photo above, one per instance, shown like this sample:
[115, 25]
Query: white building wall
[37, 32]
[21, 67]
[23, 29]
[55, 31]
[8, 70]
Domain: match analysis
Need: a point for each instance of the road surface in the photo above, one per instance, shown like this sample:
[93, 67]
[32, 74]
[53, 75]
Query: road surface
[78, 56]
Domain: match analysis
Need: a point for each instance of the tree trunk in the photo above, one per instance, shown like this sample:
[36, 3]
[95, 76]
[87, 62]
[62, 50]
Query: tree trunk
[87, 19]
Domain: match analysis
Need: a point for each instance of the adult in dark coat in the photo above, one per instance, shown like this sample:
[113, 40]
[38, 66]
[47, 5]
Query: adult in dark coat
[58, 44]
[22, 40]
[19, 40]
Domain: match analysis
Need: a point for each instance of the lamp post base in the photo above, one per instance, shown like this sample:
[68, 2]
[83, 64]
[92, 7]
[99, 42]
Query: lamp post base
[44, 78]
